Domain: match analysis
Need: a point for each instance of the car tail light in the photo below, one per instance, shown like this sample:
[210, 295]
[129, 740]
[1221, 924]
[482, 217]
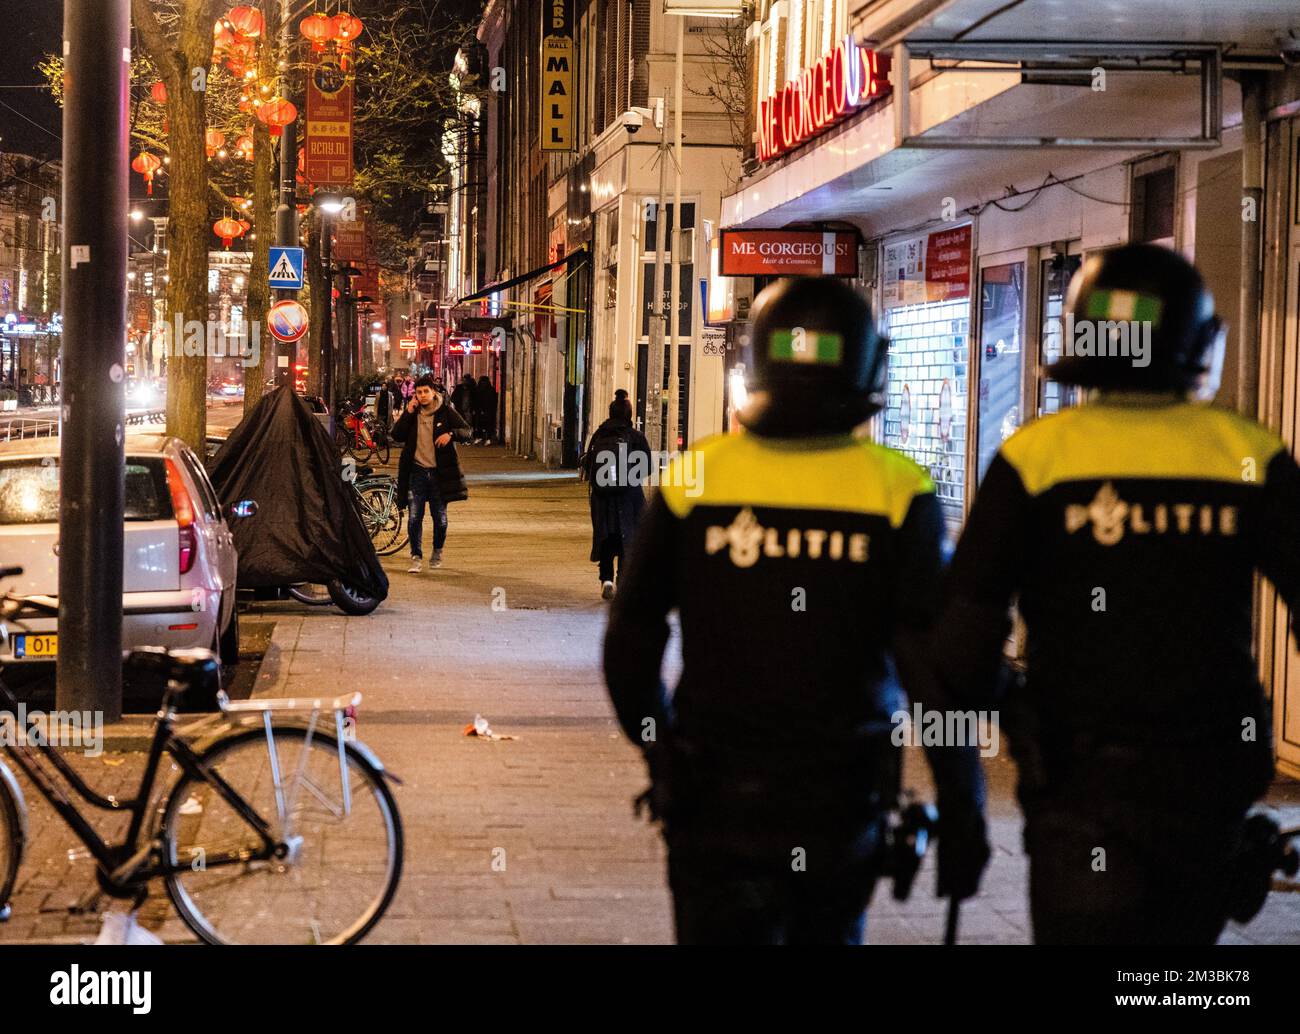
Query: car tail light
[183, 628]
[187, 537]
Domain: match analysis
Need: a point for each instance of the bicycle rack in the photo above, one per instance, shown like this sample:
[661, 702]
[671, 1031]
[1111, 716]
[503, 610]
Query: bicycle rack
[312, 707]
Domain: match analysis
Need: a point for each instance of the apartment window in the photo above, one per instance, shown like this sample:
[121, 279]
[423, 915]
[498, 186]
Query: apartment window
[1154, 197]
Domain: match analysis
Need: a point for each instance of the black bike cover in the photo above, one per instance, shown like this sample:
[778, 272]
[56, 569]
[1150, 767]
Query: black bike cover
[308, 526]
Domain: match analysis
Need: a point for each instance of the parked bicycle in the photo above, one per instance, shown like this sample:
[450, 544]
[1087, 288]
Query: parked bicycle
[360, 435]
[275, 833]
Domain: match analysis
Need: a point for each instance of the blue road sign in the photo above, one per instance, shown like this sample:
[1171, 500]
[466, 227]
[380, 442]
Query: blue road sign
[286, 267]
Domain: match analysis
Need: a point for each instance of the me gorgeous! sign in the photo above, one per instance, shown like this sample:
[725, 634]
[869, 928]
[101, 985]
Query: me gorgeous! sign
[789, 253]
[844, 80]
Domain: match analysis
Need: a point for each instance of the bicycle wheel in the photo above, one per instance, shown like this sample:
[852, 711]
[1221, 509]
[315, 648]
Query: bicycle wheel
[334, 810]
[383, 449]
[314, 594]
[385, 522]
[13, 835]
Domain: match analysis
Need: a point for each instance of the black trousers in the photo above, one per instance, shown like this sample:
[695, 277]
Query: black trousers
[1097, 878]
[611, 547]
[737, 886]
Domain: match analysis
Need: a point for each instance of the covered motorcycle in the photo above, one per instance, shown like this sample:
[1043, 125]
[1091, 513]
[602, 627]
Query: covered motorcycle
[308, 526]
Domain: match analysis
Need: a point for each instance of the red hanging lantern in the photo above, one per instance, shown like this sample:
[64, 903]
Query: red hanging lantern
[277, 113]
[227, 229]
[146, 165]
[244, 147]
[212, 141]
[245, 224]
[319, 29]
[347, 27]
[158, 91]
[223, 36]
[247, 21]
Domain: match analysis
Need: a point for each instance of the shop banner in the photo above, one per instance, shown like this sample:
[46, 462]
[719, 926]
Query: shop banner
[557, 78]
[351, 240]
[789, 253]
[328, 152]
[934, 267]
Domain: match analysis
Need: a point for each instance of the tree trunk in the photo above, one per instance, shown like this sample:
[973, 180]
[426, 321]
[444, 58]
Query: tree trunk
[188, 235]
[316, 294]
[265, 176]
[183, 64]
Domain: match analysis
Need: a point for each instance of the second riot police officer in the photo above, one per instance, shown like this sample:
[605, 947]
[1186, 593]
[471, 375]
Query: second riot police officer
[805, 565]
[1130, 530]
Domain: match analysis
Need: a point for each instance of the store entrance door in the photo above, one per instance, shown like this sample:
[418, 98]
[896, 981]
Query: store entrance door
[1286, 658]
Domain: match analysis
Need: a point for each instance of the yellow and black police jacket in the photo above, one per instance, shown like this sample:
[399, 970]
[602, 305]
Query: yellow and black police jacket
[806, 573]
[1130, 531]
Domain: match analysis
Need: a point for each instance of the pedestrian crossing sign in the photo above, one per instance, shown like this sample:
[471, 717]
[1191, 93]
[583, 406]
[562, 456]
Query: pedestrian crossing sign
[286, 268]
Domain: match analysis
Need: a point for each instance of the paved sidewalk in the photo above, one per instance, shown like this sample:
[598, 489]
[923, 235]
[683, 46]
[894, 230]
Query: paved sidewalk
[510, 628]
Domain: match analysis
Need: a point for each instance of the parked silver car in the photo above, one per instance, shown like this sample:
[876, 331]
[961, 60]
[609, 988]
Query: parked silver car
[179, 561]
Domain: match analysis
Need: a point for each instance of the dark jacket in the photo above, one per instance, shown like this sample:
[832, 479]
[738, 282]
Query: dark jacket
[617, 511]
[462, 397]
[451, 482]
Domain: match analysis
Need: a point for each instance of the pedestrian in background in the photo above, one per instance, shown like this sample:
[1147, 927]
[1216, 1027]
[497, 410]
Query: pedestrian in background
[463, 398]
[485, 411]
[428, 471]
[617, 494]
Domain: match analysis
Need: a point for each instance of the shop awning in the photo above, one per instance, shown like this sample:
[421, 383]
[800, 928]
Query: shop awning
[573, 256]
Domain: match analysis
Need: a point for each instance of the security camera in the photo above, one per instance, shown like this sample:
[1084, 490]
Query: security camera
[633, 120]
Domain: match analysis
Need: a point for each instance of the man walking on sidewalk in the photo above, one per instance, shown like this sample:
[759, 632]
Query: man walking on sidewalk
[428, 472]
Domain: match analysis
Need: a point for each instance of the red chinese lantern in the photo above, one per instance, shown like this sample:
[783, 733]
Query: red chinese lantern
[277, 113]
[158, 91]
[223, 36]
[347, 27]
[244, 147]
[212, 140]
[247, 21]
[146, 165]
[319, 29]
[227, 229]
[245, 224]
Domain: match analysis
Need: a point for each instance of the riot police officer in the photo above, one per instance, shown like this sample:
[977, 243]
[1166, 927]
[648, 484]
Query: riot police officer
[1129, 530]
[805, 565]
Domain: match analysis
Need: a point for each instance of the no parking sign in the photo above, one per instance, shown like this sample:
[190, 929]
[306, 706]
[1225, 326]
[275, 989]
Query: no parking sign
[287, 320]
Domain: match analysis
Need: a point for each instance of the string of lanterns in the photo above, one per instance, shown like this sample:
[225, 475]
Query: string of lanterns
[235, 40]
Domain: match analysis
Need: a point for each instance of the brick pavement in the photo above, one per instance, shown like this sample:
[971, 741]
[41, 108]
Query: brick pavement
[510, 627]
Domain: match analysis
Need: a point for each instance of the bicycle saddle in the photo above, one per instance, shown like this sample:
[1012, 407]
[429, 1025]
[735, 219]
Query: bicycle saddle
[196, 671]
[363, 470]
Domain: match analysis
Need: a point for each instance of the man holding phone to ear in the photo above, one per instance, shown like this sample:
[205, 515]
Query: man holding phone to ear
[428, 472]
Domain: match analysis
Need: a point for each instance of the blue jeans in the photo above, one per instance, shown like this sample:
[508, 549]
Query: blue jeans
[424, 489]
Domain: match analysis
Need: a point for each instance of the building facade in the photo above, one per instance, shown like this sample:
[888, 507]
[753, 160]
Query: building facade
[980, 153]
[30, 293]
[578, 115]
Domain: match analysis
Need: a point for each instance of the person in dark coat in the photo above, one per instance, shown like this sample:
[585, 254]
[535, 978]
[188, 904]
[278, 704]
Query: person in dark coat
[428, 472]
[485, 411]
[617, 464]
[462, 397]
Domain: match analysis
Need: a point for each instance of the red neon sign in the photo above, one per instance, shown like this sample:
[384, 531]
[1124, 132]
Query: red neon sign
[844, 80]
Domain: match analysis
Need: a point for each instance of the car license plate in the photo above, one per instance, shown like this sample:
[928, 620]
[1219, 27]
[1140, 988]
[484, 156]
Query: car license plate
[36, 647]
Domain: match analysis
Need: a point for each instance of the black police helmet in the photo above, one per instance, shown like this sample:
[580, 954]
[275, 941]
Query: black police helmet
[818, 360]
[1140, 284]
